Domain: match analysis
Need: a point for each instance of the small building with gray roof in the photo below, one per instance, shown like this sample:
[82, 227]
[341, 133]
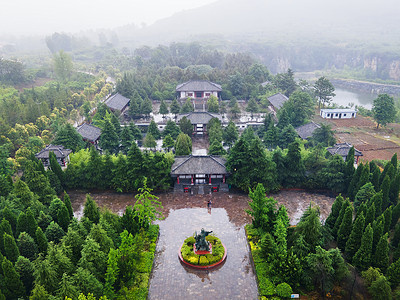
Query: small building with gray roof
[277, 101]
[342, 149]
[89, 133]
[306, 131]
[208, 171]
[117, 102]
[198, 89]
[60, 152]
[199, 120]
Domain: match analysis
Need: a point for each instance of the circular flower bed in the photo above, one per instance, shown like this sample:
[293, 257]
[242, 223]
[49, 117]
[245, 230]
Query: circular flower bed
[213, 259]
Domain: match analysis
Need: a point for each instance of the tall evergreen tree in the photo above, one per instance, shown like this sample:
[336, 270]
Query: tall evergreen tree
[381, 256]
[10, 248]
[135, 131]
[14, 288]
[362, 258]
[394, 190]
[22, 223]
[186, 126]
[335, 211]
[175, 107]
[340, 217]
[31, 221]
[370, 216]
[56, 168]
[294, 171]
[352, 190]
[69, 138]
[163, 108]
[187, 106]
[183, 144]
[345, 228]
[172, 129]
[67, 202]
[153, 130]
[385, 188]
[126, 140]
[91, 210]
[146, 107]
[377, 227]
[354, 241]
[24, 268]
[41, 240]
[388, 219]
[109, 140]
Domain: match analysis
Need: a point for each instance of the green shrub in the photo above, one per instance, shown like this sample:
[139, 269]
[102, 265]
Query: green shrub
[283, 290]
[267, 288]
[190, 241]
[204, 261]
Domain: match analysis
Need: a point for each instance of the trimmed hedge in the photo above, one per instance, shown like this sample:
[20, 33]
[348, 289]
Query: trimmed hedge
[189, 256]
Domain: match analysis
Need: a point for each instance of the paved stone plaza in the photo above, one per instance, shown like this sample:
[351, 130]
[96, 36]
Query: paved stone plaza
[235, 279]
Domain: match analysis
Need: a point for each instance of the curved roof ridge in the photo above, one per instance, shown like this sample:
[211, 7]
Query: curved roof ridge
[182, 163]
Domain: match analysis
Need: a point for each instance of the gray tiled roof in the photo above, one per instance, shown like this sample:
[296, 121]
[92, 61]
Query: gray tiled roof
[307, 130]
[277, 100]
[117, 102]
[343, 149]
[187, 165]
[199, 117]
[192, 86]
[89, 132]
[58, 150]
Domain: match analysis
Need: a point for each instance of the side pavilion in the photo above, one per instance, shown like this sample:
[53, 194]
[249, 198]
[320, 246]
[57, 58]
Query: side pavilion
[199, 174]
[199, 120]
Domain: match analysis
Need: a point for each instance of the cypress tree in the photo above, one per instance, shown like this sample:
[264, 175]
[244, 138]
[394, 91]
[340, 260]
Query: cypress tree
[32, 224]
[388, 219]
[381, 257]
[135, 131]
[67, 202]
[27, 246]
[365, 193]
[109, 140]
[395, 215]
[394, 190]
[364, 177]
[396, 236]
[63, 217]
[117, 125]
[175, 107]
[388, 170]
[24, 268]
[393, 273]
[54, 232]
[349, 170]
[10, 217]
[340, 218]
[375, 178]
[362, 209]
[352, 190]
[394, 161]
[354, 241]
[126, 140]
[5, 227]
[153, 130]
[56, 168]
[385, 187]
[163, 108]
[377, 227]
[362, 258]
[345, 228]
[335, 211]
[377, 199]
[12, 282]
[41, 240]
[39, 293]
[10, 248]
[91, 210]
[370, 216]
[22, 223]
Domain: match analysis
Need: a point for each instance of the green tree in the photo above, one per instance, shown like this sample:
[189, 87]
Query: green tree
[354, 241]
[54, 232]
[212, 104]
[186, 126]
[10, 248]
[146, 107]
[69, 138]
[87, 283]
[216, 148]
[235, 109]
[91, 210]
[324, 91]
[147, 208]
[187, 106]
[109, 140]
[175, 107]
[93, 259]
[172, 129]
[252, 107]
[230, 134]
[12, 282]
[135, 131]
[299, 107]
[294, 172]
[126, 140]
[63, 218]
[324, 135]
[345, 228]
[310, 228]
[363, 257]
[153, 130]
[168, 143]
[27, 246]
[384, 110]
[39, 293]
[24, 268]
[41, 240]
[286, 82]
[163, 108]
[183, 144]
[55, 167]
[67, 289]
[393, 273]
[262, 209]
[67, 202]
[149, 141]
[287, 136]
[381, 256]
[62, 64]
[380, 289]
[335, 211]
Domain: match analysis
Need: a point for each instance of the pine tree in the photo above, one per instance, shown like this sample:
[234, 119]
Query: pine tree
[24, 268]
[67, 289]
[91, 210]
[187, 106]
[183, 144]
[388, 219]
[135, 167]
[375, 178]
[54, 232]
[67, 202]
[396, 236]
[393, 273]
[109, 140]
[163, 108]
[349, 170]
[364, 193]
[175, 107]
[381, 257]
[216, 148]
[352, 190]
[147, 107]
[153, 130]
[362, 258]
[10, 248]
[388, 170]
[135, 131]
[377, 200]
[230, 134]
[172, 129]
[345, 228]
[340, 218]
[377, 226]
[294, 172]
[22, 223]
[126, 140]
[168, 143]
[354, 241]
[41, 240]
[31, 221]
[149, 141]
[116, 123]
[56, 168]
[27, 246]
[395, 215]
[213, 105]
[12, 282]
[63, 217]
[394, 190]
[5, 227]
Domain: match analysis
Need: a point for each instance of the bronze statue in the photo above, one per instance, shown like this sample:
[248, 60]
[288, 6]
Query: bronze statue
[201, 243]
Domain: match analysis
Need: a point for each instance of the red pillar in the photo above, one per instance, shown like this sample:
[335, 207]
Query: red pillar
[192, 179]
[209, 178]
[223, 180]
[177, 179]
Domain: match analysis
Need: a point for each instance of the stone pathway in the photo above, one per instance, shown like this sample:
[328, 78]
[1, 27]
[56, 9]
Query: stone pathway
[235, 279]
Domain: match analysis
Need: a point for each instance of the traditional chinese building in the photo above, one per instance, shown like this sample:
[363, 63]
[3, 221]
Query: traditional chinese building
[117, 102]
[61, 153]
[198, 90]
[199, 174]
[89, 133]
[343, 149]
[277, 102]
[199, 120]
[306, 131]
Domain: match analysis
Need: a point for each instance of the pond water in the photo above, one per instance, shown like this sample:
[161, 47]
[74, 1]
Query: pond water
[345, 96]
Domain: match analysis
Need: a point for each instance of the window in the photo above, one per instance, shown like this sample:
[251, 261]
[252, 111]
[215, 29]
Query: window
[336, 115]
[328, 115]
[344, 115]
[190, 94]
[207, 94]
[199, 94]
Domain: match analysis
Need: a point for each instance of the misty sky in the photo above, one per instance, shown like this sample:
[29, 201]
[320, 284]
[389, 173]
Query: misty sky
[25, 17]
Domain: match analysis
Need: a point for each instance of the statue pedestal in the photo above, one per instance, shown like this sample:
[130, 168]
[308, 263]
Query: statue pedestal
[199, 252]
